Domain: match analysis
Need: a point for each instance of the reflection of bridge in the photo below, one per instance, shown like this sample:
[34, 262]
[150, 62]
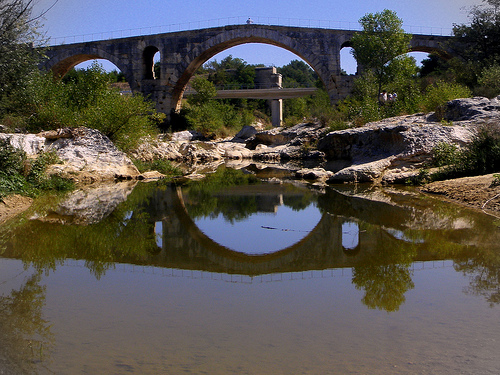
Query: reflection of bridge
[182, 53]
[185, 247]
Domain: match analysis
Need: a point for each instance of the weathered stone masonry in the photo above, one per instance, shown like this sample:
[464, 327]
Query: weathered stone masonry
[182, 53]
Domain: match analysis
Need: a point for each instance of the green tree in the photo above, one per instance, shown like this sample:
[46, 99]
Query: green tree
[378, 45]
[298, 74]
[18, 34]
[477, 42]
[205, 90]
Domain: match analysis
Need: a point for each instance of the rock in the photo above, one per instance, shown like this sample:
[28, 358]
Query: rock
[60, 133]
[151, 175]
[246, 132]
[90, 156]
[152, 149]
[90, 204]
[30, 143]
[472, 109]
[404, 142]
[314, 174]
[187, 136]
[363, 172]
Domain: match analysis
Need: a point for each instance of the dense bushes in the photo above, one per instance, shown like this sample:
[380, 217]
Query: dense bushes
[87, 101]
[20, 175]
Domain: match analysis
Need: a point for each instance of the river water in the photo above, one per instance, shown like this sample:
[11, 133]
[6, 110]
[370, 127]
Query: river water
[234, 275]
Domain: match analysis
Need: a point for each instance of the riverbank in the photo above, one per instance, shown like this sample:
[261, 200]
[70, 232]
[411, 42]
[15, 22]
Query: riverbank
[390, 151]
[479, 192]
[13, 205]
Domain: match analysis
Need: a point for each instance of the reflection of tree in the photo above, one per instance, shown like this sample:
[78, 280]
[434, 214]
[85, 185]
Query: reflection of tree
[25, 336]
[125, 234]
[210, 198]
[298, 202]
[484, 272]
[203, 202]
[384, 273]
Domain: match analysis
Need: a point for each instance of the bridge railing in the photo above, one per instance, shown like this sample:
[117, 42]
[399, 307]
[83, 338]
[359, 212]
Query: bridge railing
[228, 21]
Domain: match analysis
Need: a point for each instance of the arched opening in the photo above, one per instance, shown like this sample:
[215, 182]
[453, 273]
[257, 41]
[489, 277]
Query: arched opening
[150, 57]
[256, 67]
[348, 64]
[419, 57]
[256, 47]
[115, 76]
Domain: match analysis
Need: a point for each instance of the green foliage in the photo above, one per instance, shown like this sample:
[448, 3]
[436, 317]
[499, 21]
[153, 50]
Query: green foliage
[12, 160]
[205, 91]
[378, 45]
[20, 175]
[439, 94]
[18, 33]
[496, 180]
[230, 72]
[163, 166]
[216, 119]
[481, 156]
[298, 74]
[444, 154]
[87, 100]
[489, 82]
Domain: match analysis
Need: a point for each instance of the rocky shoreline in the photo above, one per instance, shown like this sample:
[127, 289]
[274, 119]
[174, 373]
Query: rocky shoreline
[385, 152]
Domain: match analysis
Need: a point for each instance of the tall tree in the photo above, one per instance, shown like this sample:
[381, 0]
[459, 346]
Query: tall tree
[18, 34]
[478, 42]
[380, 42]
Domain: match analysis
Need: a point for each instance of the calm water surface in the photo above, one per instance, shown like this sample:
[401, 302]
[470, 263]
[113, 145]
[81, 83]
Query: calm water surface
[234, 275]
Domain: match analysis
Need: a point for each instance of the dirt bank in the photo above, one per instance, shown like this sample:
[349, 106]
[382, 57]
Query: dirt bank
[13, 205]
[478, 192]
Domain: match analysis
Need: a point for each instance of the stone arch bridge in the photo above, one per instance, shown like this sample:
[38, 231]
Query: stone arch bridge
[182, 53]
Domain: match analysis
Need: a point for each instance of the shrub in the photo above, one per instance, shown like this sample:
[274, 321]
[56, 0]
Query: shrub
[444, 154]
[489, 82]
[89, 101]
[163, 166]
[439, 94]
[20, 175]
[12, 160]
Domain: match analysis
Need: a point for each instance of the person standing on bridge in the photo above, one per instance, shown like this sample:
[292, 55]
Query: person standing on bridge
[249, 21]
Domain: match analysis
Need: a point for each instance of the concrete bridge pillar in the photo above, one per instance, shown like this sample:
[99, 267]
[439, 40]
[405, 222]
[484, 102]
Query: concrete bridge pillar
[277, 112]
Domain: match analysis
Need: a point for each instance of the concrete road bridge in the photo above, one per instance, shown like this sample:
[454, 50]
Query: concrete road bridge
[183, 52]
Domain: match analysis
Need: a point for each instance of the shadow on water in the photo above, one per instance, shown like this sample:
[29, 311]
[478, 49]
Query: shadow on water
[378, 233]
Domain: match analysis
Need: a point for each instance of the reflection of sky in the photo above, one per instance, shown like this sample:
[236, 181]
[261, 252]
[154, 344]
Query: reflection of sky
[350, 235]
[248, 236]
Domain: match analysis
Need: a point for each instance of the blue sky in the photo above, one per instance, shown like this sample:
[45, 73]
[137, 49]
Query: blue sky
[68, 18]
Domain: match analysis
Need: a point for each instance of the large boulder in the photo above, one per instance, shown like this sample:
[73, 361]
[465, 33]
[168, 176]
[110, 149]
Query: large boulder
[88, 156]
[477, 108]
[391, 145]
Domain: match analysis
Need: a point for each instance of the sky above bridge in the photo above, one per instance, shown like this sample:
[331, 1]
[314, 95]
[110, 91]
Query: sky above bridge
[70, 21]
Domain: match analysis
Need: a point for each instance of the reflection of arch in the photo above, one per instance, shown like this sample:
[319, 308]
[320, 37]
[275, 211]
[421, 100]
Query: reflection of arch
[350, 238]
[202, 52]
[209, 244]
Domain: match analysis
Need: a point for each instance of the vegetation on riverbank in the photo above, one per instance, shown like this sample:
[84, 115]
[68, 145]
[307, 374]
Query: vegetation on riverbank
[32, 101]
[20, 175]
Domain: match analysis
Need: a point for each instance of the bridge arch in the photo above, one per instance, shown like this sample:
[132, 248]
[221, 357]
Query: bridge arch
[202, 52]
[61, 63]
